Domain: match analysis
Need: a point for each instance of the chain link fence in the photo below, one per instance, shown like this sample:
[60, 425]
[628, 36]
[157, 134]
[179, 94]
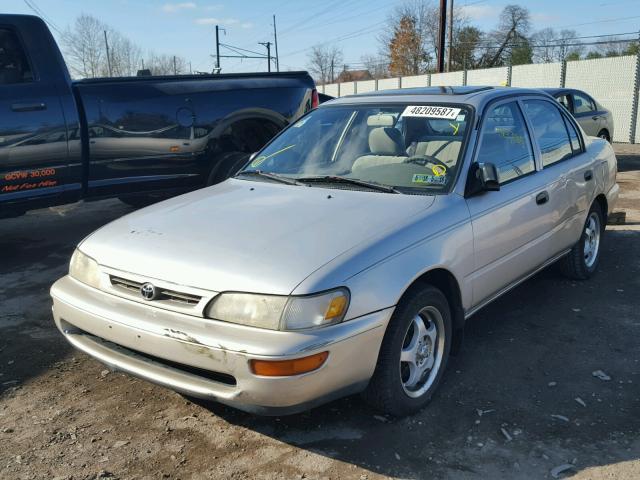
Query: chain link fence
[613, 81]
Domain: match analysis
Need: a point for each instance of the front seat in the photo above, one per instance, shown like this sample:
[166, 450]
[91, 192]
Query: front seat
[386, 145]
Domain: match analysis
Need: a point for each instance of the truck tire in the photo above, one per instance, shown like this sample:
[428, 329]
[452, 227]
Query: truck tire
[139, 201]
[226, 166]
[581, 262]
[414, 353]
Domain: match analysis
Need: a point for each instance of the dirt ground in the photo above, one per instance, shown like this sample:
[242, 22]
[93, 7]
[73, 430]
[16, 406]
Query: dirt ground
[518, 401]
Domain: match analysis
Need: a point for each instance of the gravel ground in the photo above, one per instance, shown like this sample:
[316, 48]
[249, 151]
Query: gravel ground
[520, 399]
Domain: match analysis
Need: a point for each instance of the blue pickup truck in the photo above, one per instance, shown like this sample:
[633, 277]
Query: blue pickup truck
[135, 138]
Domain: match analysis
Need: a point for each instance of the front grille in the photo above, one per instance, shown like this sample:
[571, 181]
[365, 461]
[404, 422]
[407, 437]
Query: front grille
[133, 287]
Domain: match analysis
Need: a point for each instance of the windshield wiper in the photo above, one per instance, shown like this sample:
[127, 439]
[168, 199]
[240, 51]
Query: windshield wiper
[350, 181]
[271, 176]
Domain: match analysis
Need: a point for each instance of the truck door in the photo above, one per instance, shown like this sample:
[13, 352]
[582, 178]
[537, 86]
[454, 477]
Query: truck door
[34, 157]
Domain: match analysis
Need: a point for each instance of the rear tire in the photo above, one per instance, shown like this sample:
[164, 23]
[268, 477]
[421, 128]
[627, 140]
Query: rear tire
[604, 134]
[414, 353]
[582, 261]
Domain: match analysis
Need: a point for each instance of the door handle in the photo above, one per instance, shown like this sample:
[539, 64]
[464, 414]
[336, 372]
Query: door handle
[588, 175]
[542, 198]
[595, 117]
[28, 107]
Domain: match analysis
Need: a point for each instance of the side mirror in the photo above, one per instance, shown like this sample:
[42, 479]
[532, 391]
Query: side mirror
[483, 177]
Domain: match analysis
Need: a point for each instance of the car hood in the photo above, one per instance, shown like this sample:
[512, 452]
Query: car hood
[244, 235]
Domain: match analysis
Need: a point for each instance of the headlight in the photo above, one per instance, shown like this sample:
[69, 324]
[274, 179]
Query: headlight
[84, 269]
[280, 312]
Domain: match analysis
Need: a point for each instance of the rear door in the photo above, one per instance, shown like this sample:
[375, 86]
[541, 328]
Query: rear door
[511, 227]
[34, 159]
[586, 113]
[566, 169]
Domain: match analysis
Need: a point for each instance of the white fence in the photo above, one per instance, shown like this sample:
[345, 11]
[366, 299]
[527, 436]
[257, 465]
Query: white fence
[612, 81]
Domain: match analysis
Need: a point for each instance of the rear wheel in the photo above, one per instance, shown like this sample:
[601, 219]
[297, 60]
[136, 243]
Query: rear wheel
[604, 134]
[581, 262]
[413, 355]
[226, 166]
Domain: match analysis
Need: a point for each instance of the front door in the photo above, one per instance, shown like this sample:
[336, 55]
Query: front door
[34, 159]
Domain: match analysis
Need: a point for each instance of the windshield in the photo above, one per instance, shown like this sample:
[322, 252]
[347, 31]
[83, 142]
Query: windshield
[412, 148]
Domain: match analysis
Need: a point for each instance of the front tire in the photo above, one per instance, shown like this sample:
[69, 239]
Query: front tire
[414, 353]
[581, 262]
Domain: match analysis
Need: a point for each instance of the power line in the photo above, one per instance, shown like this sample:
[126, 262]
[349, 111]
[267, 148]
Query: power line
[32, 5]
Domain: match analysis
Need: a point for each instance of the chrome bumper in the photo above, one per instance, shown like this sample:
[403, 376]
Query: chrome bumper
[210, 359]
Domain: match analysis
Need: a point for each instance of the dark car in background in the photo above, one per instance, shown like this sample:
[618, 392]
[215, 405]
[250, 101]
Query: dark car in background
[136, 138]
[595, 120]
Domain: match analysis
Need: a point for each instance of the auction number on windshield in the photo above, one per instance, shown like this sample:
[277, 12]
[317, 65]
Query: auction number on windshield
[431, 111]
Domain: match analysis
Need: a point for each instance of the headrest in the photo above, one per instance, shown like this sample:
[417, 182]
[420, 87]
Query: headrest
[380, 120]
[386, 141]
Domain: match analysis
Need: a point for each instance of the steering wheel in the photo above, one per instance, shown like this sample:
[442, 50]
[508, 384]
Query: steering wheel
[427, 159]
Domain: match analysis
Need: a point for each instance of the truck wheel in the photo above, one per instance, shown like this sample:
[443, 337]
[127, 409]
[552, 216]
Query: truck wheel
[138, 201]
[581, 262]
[413, 355]
[226, 166]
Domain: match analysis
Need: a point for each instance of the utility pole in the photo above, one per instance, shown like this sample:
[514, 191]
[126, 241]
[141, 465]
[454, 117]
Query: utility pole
[217, 48]
[175, 70]
[275, 39]
[106, 44]
[190, 71]
[268, 45]
[441, 34]
[450, 37]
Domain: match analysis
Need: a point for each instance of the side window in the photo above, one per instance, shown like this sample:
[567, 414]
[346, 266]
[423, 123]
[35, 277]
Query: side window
[549, 131]
[582, 104]
[14, 67]
[573, 136]
[505, 142]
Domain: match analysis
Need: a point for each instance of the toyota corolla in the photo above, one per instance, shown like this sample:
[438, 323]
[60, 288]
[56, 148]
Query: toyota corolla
[346, 255]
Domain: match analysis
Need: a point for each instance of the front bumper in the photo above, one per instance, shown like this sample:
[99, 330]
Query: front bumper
[210, 359]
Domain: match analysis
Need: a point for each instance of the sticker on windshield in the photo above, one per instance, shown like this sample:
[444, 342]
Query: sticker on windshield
[439, 170]
[429, 179]
[430, 111]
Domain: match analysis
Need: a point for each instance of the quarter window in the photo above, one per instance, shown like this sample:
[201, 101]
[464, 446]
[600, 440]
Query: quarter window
[573, 136]
[14, 67]
[549, 131]
[582, 104]
[505, 142]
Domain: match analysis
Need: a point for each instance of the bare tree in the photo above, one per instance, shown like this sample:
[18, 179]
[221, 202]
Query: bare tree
[164, 64]
[513, 28]
[377, 66]
[553, 46]
[324, 62]
[84, 46]
[86, 52]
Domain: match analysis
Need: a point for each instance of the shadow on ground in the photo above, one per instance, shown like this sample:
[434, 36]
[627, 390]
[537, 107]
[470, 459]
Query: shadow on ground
[34, 252]
[527, 358]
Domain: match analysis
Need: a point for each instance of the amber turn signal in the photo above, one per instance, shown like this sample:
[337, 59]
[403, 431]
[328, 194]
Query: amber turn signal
[286, 368]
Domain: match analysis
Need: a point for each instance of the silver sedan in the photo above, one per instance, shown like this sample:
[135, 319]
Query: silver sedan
[348, 253]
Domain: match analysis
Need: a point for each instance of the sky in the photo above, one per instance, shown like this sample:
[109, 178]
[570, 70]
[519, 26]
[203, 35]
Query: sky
[187, 28]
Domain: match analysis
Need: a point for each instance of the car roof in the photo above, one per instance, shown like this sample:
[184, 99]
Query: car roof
[476, 96]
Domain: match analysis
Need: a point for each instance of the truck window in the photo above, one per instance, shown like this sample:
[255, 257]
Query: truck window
[14, 67]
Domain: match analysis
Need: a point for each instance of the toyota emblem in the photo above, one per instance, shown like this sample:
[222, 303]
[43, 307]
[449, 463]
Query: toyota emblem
[148, 291]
